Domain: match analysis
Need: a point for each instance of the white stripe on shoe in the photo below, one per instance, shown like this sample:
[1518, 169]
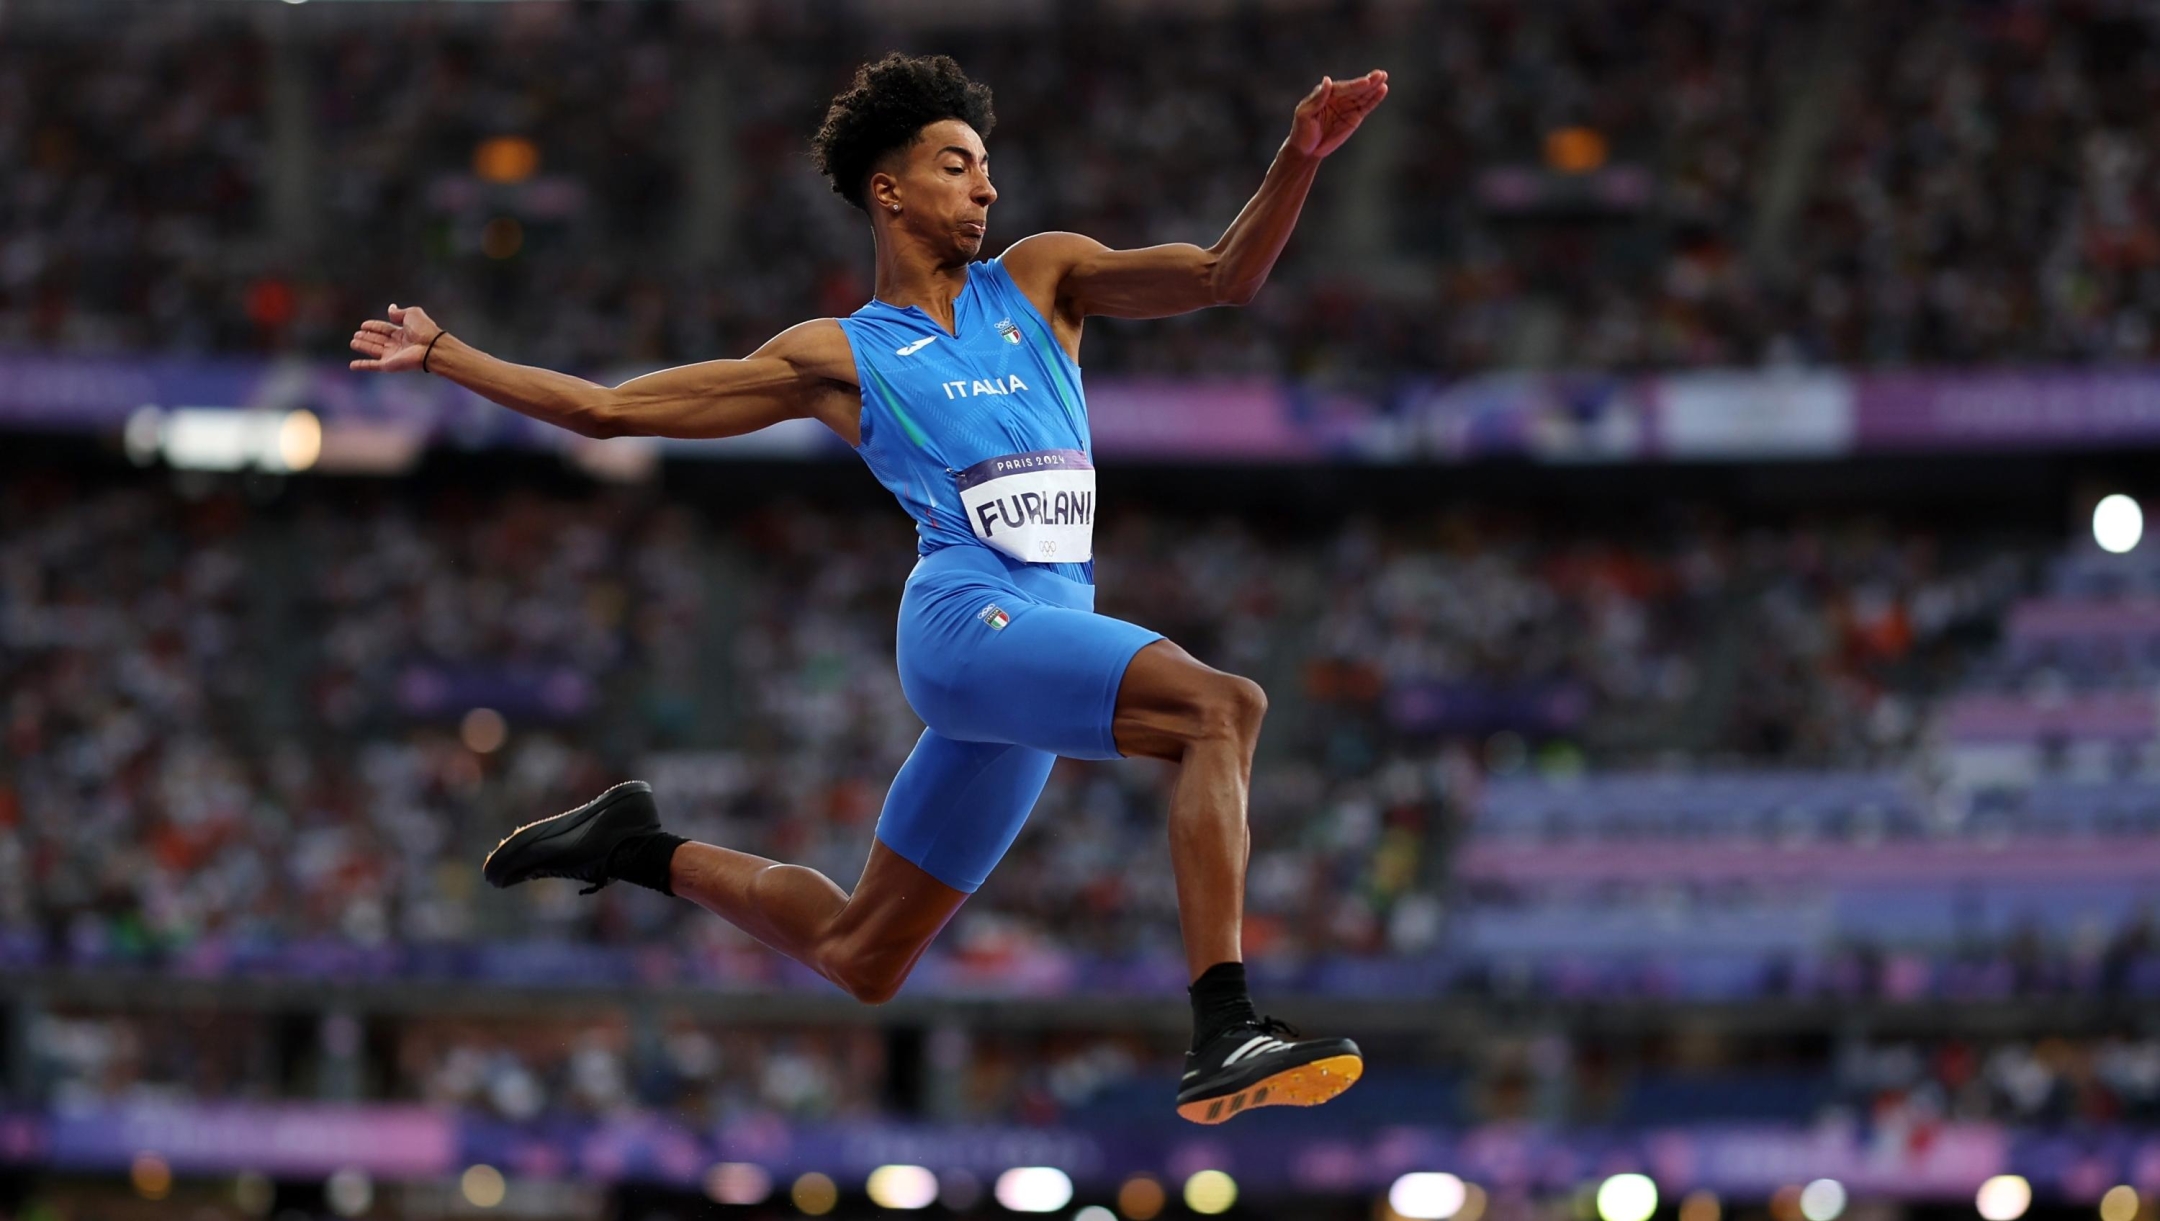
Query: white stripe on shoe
[1259, 1046]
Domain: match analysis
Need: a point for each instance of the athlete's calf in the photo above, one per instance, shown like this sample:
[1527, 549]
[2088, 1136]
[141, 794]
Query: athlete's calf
[1207, 722]
[866, 942]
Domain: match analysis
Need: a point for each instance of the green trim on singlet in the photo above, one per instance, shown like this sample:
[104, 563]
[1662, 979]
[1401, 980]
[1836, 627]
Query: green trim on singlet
[892, 404]
[1053, 359]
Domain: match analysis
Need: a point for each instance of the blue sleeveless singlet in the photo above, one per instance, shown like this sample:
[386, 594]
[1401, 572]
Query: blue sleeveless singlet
[943, 409]
[982, 434]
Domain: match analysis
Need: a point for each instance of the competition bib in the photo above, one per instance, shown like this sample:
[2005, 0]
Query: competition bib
[1037, 507]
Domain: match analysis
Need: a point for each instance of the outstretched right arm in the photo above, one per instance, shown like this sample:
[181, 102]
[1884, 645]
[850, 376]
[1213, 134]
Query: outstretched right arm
[805, 371]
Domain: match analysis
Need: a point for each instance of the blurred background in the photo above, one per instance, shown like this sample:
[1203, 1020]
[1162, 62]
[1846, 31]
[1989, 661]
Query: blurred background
[1681, 490]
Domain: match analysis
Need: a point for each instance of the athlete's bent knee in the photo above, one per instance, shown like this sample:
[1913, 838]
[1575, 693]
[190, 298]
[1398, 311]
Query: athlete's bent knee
[871, 979]
[874, 989]
[1230, 707]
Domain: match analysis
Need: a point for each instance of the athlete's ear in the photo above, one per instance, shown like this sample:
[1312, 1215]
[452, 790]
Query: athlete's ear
[884, 192]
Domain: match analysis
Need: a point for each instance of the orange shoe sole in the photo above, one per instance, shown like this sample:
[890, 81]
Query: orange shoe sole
[1307, 1085]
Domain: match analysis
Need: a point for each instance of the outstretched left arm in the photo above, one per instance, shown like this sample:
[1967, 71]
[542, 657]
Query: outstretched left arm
[1082, 276]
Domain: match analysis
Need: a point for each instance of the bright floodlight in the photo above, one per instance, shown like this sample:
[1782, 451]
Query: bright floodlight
[2118, 523]
[1034, 1189]
[1627, 1197]
[905, 1187]
[483, 1186]
[1094, 1212]
[1210, 1192]
[299, 440]
[1427, 1197]
[2119, 1204]
[2004, 1198]
[1822, 1200]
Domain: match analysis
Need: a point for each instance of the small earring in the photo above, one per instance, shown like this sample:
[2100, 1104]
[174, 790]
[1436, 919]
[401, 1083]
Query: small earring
[896, 207]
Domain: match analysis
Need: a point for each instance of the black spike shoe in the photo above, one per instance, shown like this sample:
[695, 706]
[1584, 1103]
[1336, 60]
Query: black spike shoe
[1250, 1066]
[575, 844]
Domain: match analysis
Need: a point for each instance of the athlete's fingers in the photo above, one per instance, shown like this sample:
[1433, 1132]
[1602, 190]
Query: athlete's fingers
[366, 364]
[396, 314]
[1359, 90]
[378, 326]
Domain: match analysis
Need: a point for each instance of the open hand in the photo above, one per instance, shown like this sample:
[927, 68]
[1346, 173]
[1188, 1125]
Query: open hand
[397, 344]
[1333, 110]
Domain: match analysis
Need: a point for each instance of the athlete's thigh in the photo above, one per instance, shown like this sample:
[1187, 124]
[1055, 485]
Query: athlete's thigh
[999, 667]
[957, 806]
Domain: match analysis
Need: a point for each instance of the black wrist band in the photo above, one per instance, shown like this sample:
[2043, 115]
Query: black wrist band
[431, 349]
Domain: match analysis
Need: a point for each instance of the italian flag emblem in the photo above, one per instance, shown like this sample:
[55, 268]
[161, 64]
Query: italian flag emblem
[1009, 331]
[995, 616]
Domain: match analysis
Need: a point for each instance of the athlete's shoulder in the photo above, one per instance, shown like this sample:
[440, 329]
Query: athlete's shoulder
[818, 348]
[1045, 258]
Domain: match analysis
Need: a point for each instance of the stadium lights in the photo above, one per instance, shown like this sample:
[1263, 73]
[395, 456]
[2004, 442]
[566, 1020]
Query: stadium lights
[1094, 1212]
[2003, 1198]
[1627, 1197]
[2118, 523]
[814, 1194]
[1427, 1197]
[150, 1176]
[738, 1183]
[1822, 1200]
[1701, 1206]
[902, 1187]
[224, 439]
[482, 1186]
[1210, 1192]
[2119, 1204]
[349, 1192]
[1141, 1198]
[1034, 1189]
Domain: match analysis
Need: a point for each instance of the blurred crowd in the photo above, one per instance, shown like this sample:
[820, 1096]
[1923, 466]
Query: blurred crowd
[227, 723]
[548, 1067]
[1987, 191]
[1910, 1085]
[1561, 183]
[232, 723]
[135, 164]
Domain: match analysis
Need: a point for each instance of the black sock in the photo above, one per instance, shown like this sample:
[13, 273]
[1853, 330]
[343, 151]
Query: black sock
[642, 860]
[1220, 1002]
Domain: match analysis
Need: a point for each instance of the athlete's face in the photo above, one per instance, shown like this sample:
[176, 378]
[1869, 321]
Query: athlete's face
[942, 188]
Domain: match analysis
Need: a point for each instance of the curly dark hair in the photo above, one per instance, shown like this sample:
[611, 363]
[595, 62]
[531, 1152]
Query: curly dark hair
[886, 107]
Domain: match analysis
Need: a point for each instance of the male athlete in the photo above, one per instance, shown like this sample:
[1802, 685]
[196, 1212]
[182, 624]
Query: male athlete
[959, 384]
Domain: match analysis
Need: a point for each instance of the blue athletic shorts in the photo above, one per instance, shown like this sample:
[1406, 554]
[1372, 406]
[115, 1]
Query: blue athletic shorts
[1010, 667]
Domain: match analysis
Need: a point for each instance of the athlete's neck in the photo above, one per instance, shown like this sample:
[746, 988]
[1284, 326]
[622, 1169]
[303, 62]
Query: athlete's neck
[909, 274]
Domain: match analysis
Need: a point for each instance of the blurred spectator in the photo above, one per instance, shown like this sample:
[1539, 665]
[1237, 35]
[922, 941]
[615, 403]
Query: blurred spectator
[528, 178]
[309, 720]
